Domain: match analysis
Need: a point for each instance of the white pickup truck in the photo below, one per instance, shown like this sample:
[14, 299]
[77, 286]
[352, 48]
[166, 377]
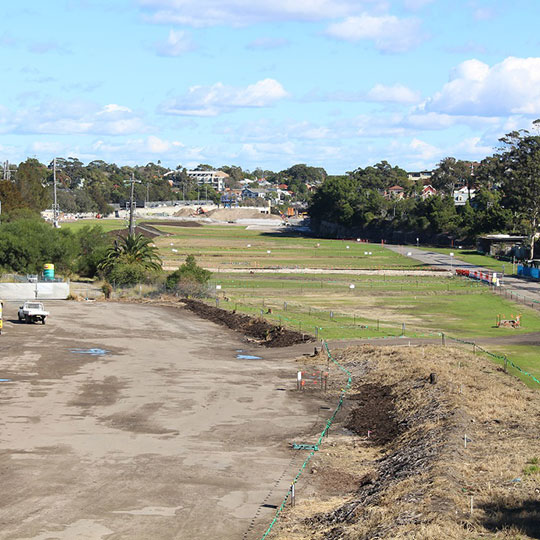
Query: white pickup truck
[32, 312]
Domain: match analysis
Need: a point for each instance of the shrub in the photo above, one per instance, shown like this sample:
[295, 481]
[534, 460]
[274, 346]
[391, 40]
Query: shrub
[126, 274]
[189, 272]
[106, 288]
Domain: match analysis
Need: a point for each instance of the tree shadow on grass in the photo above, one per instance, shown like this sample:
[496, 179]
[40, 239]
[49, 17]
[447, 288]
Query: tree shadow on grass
[502, 514]
[287, 233]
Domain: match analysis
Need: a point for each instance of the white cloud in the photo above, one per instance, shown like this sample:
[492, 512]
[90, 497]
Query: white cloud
[158, 146]
[397, 93]
[177, 43]
[200, 13]
[70, 118]
[388, 32]
[114, 108]
[219, 98]
[509, 87]
[139, 147]
[424, 150]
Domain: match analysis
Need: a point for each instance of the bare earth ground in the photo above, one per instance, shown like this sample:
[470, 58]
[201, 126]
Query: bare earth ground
[456, 459]
[167, 435]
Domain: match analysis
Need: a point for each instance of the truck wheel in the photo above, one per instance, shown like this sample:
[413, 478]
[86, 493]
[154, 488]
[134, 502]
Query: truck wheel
[43, 320]
[27, 319]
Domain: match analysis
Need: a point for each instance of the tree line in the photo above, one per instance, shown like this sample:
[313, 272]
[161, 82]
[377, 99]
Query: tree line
[95, 186]
[506, 198]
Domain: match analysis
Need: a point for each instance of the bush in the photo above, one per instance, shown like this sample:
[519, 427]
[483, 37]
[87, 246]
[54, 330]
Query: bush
[106, 288]
[126, 274]
[189, 272]
[190, 289]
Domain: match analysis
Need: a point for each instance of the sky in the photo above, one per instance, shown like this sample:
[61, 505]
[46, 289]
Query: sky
[338, 84]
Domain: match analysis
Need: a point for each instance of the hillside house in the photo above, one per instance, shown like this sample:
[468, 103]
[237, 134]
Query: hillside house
[427, 191]
[214, 178]
[395, 192]
[461, 196]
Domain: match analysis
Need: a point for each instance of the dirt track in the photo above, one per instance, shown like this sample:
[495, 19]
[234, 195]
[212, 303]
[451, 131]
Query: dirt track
[168, 435]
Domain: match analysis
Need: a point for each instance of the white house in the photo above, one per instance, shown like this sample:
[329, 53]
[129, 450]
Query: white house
[461, 196]
[214, 178]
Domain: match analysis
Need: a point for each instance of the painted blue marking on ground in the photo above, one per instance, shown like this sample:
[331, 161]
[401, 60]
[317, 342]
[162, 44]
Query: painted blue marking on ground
[248, 357]
[5, 380]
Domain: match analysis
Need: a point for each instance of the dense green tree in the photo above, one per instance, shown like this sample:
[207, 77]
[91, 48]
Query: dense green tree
[236, 174]
[335, 201]
[451, 173]
[10, 197]
[93, 244]
[520, 183]
[381, 176]
[28, 243]
[30, 180]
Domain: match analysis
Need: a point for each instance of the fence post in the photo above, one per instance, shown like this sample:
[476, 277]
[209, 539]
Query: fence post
[505, 364]
[443, 339]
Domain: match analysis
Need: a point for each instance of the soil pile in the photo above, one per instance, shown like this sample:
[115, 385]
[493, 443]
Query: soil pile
[186, 211]
[258, 329]
[146, 230]
[373, 414]
[232, 214]
[173, 223]
[437, 444]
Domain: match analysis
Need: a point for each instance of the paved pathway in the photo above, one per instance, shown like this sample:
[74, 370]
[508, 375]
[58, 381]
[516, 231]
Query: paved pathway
[524, 289]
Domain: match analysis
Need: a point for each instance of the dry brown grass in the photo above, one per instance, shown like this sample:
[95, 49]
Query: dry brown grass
[420, 485]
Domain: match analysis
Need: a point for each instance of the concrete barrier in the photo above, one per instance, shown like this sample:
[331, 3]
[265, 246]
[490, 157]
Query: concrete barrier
[31, 291]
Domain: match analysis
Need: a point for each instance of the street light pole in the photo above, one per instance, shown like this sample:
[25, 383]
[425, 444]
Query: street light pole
[55, 203]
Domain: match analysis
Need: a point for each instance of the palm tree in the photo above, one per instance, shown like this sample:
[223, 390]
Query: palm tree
[131, 249]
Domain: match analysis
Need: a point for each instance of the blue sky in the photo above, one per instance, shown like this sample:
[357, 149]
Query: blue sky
[339, 84]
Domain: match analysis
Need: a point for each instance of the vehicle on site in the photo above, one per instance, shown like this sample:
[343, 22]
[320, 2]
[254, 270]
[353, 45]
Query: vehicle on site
[31, 312]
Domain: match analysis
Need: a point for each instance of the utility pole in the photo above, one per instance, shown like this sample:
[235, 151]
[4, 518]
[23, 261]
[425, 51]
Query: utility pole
[131, 208]
[55, 203]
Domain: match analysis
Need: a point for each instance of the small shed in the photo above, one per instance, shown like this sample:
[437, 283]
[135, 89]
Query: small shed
[498, 245]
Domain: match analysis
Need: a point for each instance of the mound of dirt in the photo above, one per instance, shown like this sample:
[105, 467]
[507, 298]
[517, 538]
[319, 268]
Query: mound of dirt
[146, 230]
[173, 223]
[452, 456]
[186, 211]
[258, 329]
[373, 414]
[232, 214]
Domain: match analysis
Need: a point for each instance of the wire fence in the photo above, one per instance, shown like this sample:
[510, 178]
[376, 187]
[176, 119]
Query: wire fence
[502, 358]
[314, 448]
[300, 318]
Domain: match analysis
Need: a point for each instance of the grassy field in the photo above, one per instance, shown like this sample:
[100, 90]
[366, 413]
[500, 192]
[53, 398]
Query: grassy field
[472, 257]
[107, 224]
[341, 306]
[236, 247]
[525, 356]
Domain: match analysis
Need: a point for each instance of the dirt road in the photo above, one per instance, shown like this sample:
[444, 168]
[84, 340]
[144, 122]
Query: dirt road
[129, 421]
